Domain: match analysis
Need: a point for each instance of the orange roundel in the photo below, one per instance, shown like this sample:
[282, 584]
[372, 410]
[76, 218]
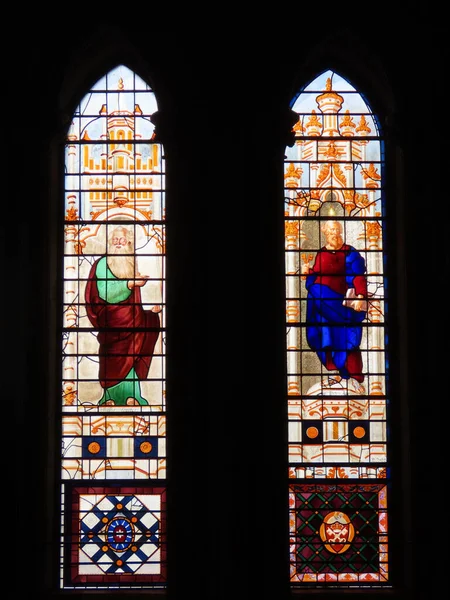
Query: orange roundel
[359, 432]
[146, 447]
[312, 432]
[94, 447]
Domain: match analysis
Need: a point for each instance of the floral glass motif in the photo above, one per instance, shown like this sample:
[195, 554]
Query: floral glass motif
[113, 417]
[336, 316]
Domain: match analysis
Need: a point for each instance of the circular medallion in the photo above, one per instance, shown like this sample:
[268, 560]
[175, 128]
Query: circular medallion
[119, 534]
[337, 532]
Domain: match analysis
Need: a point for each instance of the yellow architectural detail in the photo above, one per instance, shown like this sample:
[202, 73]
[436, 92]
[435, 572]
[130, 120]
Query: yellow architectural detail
[325, 171]
[347, 120]
[373, 228]
[332, 151]
[117, 172]
[71, 214]
[293, 175]
[371, 176]
[69, 394]
[329, 96]
[314, 125]
[339, 175]
[362, 126]
[298, 127]
[292, 228]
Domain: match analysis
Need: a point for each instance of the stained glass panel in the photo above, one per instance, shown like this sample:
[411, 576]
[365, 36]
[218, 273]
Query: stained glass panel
[113, 421]
[336, 328]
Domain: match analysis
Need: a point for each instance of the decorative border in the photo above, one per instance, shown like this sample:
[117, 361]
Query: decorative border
[339, 533]
[115, 534]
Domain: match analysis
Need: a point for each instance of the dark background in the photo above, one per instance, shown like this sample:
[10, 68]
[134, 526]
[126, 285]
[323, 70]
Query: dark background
[224, 96]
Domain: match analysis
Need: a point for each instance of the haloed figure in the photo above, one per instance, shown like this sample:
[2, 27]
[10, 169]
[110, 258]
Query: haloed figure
[127, 333]
[333, 326]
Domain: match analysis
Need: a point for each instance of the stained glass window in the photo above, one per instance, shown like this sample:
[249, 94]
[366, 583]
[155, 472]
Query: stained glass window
[337, 351]
[113, 464]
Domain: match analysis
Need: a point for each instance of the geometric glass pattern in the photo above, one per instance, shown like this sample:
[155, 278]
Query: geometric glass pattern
[336, 338]
[116, 535]
[113, 406]
[339, 533]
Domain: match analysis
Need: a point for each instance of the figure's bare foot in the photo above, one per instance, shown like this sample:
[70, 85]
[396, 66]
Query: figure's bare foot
[357, 387]
[110, 403]
[132, 402]
[331, 381]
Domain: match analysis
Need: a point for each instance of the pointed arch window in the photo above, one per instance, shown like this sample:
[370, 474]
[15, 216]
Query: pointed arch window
[113, 408]
[337, 352]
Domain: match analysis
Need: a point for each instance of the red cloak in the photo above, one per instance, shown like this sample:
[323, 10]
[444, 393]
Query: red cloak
[127, 333]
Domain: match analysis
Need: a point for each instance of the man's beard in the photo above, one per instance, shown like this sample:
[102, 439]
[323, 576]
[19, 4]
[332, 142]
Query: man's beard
[123, 267]
[335, 241]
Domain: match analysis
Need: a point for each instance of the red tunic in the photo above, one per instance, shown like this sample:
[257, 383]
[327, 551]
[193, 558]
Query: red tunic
[331, 269]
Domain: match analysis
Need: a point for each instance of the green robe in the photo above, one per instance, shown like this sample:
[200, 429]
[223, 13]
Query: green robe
[115, 290]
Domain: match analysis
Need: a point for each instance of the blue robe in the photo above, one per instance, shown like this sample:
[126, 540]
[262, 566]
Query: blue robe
[334, 331]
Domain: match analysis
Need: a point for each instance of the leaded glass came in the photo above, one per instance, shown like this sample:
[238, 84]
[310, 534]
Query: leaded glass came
[336, 320]
[113, 417]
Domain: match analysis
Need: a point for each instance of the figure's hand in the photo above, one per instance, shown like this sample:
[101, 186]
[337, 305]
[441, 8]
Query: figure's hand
[138, 282]
[305, 269]
[305, 265]
[359, 303]
[157, 309]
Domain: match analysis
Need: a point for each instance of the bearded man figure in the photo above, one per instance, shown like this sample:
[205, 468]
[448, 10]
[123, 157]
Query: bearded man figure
[333, 321]
[127, 333]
